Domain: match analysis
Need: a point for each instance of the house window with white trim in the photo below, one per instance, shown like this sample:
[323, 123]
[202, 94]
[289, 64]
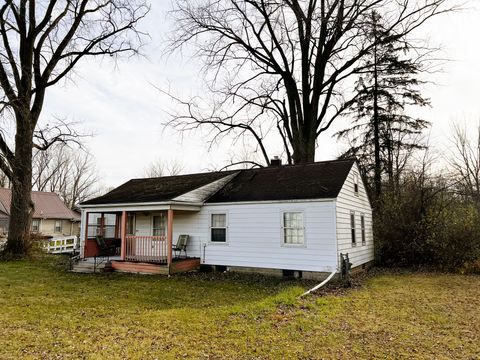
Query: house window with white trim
[159, 225]
[58, 226]
[362, 228]
[355, 184]
[218, 228]
[293, 228]
[352, 228]
[35, 225]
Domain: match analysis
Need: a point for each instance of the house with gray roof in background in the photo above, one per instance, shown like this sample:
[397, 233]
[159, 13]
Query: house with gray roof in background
[292, 219]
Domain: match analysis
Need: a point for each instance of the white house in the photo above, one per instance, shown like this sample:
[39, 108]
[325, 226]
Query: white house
[284, 218]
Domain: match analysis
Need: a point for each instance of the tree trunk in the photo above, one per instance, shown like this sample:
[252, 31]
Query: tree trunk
[389, 165]
[21, 208]
[303, 150]
[376, 132]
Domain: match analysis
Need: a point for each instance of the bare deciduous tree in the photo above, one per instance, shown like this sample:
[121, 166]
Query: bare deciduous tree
[465, 161]
[41, 42]
[159, 167]
[284, 64]
[66, 171]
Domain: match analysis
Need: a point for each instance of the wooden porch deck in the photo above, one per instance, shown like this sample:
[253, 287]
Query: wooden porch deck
[177, 266]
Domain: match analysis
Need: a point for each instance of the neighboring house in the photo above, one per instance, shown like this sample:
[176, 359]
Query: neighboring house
[51, 217]
[288, 218]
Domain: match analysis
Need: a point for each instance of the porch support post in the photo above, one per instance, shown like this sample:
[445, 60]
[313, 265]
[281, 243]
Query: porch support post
[123, 235]
[102, 225]
[169, 237]
[86, 235]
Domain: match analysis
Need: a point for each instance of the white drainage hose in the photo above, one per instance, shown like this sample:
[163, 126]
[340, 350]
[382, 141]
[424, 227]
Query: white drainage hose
[324, 282]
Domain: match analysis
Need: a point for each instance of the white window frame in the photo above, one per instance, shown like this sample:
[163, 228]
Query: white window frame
[38, 226]
[282, 228]
[363, 234]
[353, 234]
[55, 226]
[210, 227]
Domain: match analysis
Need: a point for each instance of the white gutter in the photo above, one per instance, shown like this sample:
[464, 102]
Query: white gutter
[132, 204]
[269, 201]
[167, 203]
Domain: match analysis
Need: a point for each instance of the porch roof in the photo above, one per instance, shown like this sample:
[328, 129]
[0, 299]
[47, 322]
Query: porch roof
[157, 190]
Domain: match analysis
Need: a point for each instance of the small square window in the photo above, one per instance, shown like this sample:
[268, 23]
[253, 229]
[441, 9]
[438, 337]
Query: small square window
[218, 228]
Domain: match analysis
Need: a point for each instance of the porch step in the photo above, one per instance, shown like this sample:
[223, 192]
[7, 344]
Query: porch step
[84, 266]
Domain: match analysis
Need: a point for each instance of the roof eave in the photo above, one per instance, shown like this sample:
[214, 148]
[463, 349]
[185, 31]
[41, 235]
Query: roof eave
[135, 204]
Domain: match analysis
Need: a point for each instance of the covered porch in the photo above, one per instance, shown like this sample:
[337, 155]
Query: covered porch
[137, 239]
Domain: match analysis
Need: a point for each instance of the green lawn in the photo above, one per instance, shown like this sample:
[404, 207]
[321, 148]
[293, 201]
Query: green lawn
[48, 313]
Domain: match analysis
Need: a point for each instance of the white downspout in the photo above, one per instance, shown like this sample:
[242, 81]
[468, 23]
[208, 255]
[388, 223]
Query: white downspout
[324, 282]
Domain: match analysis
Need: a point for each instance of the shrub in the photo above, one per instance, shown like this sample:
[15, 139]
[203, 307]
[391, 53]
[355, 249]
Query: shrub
[424, 224]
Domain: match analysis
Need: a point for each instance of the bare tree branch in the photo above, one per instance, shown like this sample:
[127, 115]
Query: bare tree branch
[41, 42]
[275, 64]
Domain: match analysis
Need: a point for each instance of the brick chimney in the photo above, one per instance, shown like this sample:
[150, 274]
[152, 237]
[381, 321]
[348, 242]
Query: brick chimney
[276, 161]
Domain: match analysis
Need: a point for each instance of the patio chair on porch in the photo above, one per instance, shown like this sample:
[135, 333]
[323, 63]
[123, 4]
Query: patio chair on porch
[181, 245]
[105, 249]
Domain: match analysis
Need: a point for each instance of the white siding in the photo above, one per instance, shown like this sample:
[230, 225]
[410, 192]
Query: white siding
[255, 239]
[348, 201]
[254, 236]
[187, 222]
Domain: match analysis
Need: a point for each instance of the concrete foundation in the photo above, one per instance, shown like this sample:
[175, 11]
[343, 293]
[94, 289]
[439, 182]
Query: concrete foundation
[309, 275]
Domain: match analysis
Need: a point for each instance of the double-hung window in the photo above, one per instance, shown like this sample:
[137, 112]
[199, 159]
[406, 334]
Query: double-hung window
[293, 228]
[35, 225]
[58, 226]
[218, 228]
[352, 228]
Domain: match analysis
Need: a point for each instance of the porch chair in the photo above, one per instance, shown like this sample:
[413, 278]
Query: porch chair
[105, 249]
[181, 245]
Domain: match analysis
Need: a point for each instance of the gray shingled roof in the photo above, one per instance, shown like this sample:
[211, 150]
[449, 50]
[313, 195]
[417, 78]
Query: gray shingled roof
[319, 180]
[156, 189]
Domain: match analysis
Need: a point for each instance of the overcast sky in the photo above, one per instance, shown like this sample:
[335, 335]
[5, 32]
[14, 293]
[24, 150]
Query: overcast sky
[125, 111]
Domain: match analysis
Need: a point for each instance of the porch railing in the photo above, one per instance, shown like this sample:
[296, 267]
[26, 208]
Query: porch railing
[62, 244]
[146, 249]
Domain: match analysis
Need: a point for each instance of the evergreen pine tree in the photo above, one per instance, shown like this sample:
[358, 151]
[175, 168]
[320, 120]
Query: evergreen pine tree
[382, 133]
